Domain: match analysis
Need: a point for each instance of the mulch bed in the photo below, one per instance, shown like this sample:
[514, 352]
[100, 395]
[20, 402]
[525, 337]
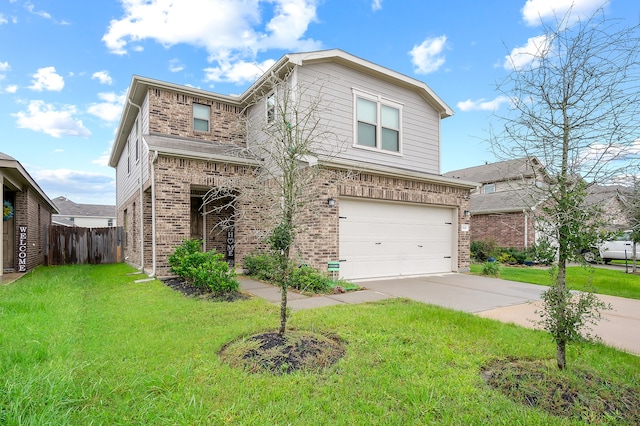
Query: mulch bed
[180, 285]
[278, 354]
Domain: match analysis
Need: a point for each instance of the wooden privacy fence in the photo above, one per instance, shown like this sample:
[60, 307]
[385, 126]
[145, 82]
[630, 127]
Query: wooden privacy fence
[75, 245]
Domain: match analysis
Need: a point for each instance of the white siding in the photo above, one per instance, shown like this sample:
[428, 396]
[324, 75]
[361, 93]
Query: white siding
[420, 122]
[128, 180]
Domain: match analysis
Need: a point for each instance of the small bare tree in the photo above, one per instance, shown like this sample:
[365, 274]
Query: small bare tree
[575, 107]
[289, 133]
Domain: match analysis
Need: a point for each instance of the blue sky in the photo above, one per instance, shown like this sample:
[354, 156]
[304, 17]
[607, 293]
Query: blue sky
[65, 66]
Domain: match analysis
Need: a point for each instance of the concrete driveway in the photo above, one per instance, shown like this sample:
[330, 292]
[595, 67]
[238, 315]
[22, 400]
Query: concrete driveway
[509, 301]
[503, 300]
[469, 293]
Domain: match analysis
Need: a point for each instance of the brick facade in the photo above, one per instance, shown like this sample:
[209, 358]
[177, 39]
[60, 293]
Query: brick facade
[171, 113]
[506, 229]
[31, 211]
[177, 180]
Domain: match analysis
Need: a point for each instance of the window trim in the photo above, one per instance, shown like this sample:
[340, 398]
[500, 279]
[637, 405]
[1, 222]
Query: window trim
[380, 101]
[271, 97]
[489, 185]
[194, 118]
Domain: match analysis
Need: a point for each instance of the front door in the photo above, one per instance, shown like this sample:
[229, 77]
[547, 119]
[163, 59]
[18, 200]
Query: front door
[196, 218]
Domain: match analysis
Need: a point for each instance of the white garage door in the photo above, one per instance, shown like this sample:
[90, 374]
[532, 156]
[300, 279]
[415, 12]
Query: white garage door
[385, 239]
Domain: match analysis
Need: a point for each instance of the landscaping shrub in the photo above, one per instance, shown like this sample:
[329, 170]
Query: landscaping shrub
[481, 250]
[203, 269]
[491, 269]
[179, 260]
[308, 279]
[263, 266]
[505, 257]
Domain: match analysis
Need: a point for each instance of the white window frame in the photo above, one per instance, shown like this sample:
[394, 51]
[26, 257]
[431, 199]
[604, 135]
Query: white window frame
[194, 118]
[380, 101]
[489, 185]
[270, 107]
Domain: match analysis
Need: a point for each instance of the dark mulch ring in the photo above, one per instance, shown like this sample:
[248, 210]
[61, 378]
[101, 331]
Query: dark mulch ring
[178, 284]
[573, 393]
[273, 353]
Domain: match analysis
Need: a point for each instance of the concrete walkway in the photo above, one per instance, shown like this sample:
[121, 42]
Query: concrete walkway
[503, 300]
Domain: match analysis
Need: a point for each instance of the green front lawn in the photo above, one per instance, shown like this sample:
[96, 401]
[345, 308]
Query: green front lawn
[599, 280]
[86, 345]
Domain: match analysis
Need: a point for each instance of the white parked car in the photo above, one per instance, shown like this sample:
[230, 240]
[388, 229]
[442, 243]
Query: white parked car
[621, 248]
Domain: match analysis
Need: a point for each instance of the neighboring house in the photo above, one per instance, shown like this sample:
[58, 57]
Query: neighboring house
[397, 216]
[612, 199]
[83, 215]
[506, 204]
[26, 215]
[501, 208]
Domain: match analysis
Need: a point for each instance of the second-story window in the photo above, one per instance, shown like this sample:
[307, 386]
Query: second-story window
[271, 108]
[201, 117]
[489, 188]
[378, 123]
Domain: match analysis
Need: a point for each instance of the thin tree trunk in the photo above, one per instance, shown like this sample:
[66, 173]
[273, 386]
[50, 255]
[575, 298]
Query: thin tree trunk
[561, 354]
[283, 308]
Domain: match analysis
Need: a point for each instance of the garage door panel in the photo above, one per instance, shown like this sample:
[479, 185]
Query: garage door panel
[379, 239]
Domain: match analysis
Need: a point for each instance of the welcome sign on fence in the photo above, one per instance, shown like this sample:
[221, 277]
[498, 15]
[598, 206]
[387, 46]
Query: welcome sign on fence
[22, 249]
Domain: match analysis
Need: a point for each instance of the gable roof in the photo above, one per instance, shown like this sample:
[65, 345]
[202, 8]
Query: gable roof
[140, 85]
[67, 207]
[16, 178]
[500, 171]
[515, 200]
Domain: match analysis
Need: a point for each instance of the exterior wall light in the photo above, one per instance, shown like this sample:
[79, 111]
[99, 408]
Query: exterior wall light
[331, 202]
[467, 213]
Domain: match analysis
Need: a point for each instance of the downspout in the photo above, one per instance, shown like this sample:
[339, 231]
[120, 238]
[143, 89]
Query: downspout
[153, 213]
[140, 188]
[526, 229]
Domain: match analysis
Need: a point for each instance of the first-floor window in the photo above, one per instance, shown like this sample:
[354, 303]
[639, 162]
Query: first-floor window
[378, 123]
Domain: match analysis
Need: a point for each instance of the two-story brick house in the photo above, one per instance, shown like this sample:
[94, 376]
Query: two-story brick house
[397, 216]
[503, 208]
[506, 206]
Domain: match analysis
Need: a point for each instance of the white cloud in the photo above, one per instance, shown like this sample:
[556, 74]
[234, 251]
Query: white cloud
[235, 29]
[238, 72]
[41, 13]
[612, 152]
[175, 65]
[482, 104]
[376, 5]
[12, 88]
[3, 20]
[111, 107]
[103, 76]
[529, 54]
[427, 56]
[4, 66]
[103, 160]
[536, 11]
[79, 186]
[41, 117]
[47, 79]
